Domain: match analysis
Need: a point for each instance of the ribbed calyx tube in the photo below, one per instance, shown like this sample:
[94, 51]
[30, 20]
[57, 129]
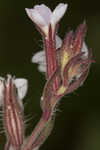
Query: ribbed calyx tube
[13, 117]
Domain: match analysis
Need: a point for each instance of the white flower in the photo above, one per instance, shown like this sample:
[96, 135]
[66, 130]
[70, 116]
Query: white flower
[40, 58]
[42, 16]
[21, 85]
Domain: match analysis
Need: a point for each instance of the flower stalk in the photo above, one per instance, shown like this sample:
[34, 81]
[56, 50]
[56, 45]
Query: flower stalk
[67, 67]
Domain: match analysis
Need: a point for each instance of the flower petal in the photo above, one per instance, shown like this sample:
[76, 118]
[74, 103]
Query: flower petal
[58, 42]
[39, 57]
[85, 49]
[42, 68]
[36, 17]
[44, 11]
[22, 86]
[58, 13]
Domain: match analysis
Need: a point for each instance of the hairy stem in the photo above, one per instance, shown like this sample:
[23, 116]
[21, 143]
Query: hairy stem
[51, 58]
[38, 129]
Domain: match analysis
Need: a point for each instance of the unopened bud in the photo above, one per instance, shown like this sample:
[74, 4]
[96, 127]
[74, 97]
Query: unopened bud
[13, 118]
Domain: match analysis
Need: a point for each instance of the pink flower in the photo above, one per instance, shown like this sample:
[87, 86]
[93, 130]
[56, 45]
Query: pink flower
[43, 17]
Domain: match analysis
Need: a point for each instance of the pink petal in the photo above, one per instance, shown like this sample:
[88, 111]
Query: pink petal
[58, 13]
[35, 17]
[44, 11]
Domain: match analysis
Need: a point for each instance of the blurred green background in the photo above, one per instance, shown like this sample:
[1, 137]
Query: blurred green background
[77, 125]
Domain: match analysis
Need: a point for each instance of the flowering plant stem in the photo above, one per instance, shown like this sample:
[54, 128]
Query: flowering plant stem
[66, 69]
[35, 134]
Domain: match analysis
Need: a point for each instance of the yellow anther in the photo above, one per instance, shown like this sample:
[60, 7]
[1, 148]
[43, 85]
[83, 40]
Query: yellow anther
[64, 59]
[61, 90]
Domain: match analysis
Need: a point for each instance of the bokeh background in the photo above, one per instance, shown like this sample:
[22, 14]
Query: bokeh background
[77, 125]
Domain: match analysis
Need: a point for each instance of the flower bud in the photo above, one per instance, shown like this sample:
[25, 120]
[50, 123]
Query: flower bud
[13, 117]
